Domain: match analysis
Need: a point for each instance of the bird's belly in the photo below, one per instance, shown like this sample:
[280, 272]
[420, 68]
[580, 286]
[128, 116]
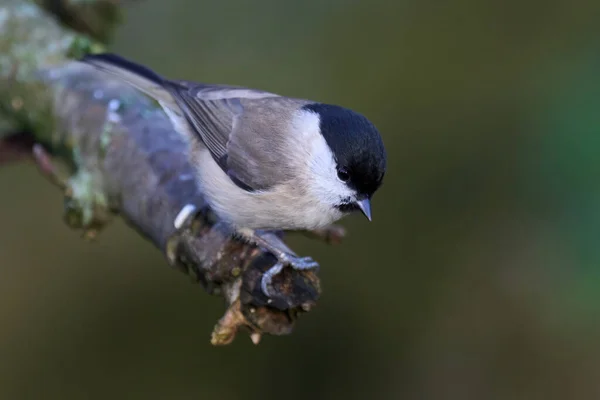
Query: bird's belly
[268, 212]
[272, 211]
[284, 207]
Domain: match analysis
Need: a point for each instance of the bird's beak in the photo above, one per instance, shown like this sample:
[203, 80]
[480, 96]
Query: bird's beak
[365, 207]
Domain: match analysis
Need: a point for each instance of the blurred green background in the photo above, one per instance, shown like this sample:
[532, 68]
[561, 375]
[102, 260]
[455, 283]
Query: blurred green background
[478, 279]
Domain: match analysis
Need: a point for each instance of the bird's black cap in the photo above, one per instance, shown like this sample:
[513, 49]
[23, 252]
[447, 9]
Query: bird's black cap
[356, 145]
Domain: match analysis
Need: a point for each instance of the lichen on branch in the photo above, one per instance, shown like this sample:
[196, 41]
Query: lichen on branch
[113, 151]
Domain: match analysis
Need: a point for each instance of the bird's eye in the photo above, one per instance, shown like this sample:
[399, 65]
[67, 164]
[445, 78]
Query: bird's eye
[343, 175]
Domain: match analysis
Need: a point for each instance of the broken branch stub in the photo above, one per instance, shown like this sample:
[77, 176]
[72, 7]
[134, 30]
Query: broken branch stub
[130, 161]
[123, 157]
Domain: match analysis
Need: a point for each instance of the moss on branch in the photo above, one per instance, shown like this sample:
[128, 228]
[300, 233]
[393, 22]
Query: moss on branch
[124, 158]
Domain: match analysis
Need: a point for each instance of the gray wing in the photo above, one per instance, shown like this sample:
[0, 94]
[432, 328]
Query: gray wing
[218, 92]
[242, 128]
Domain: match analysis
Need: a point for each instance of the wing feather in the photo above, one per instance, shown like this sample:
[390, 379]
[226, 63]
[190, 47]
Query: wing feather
[236, 124]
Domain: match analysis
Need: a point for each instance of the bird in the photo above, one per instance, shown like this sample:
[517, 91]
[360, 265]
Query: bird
[266, 162]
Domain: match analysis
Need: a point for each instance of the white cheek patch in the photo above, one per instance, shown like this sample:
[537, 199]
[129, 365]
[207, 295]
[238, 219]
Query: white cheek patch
[319, 162]
[306, 131]
[328, 187]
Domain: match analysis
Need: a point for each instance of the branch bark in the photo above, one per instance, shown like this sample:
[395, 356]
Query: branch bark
[123, 157]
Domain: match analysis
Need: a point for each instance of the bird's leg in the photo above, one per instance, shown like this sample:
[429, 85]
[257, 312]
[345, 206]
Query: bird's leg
[284, 257]
[331, 234]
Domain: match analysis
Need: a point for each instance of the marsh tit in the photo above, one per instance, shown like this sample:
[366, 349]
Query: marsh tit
[265, 161]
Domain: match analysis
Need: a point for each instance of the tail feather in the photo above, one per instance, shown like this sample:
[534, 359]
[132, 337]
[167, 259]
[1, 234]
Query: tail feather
[140, 77]
[108, 62]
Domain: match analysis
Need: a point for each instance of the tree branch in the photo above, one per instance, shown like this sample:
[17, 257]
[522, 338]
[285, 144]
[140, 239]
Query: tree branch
[123, 157]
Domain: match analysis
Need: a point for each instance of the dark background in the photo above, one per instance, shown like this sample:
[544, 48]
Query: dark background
[479, 277]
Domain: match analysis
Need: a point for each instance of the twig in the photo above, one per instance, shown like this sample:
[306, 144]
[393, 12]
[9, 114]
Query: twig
[125, 158]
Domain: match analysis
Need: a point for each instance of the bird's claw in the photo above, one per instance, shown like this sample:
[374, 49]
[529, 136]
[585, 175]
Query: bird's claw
[297, 263]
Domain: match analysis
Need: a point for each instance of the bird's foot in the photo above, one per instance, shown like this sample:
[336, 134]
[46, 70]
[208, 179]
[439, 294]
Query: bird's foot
[283, 260]
[285, 257]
